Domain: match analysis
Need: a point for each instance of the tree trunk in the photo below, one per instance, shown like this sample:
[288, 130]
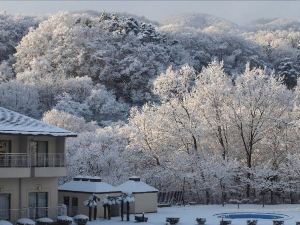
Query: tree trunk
[207, 197]
[272, 197]
[183, 191]
[248, 187]
[291, 197]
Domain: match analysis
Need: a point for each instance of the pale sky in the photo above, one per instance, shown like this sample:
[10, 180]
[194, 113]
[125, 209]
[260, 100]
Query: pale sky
[240, 12]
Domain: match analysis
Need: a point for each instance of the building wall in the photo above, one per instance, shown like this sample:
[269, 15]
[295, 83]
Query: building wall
[145, 202]
[20, 143]
[55, 144]
[19, 189]
[11, 186]
[82, 209]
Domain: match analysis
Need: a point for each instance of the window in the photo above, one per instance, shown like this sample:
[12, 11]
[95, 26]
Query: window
[67, 200]
[5, 147]
[74, 201]
[38, 204]
[40, 150]
[4, 206]
[74, 208]
[67, 203]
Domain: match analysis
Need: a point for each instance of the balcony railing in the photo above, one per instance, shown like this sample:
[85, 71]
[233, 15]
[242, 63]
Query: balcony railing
[48, 160]
[32, 213]
[14, 160]
[36, 160]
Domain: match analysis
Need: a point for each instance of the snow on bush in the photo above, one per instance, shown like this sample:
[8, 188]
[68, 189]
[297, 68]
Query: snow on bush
[4, 222]
[44, 220]
[25, 221]
[81, 219]
[64, 218]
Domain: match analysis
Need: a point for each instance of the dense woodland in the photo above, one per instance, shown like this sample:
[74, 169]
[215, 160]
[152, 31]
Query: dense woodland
[195, 103]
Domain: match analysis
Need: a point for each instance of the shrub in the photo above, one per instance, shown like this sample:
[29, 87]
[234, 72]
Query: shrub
[5, 222]
[245, 201]
[81, 219]
[44, 221]
[25, 221]
[64, 220]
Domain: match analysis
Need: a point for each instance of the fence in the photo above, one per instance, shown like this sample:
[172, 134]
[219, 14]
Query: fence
[170, 198]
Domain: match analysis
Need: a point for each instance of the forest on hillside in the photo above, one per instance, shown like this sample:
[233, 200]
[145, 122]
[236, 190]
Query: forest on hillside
[195, 102]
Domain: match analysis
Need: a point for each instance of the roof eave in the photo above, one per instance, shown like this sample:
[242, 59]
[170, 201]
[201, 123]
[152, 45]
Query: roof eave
[38, 134]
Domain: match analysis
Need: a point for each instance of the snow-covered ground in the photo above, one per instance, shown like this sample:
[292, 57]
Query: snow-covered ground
[188, 214]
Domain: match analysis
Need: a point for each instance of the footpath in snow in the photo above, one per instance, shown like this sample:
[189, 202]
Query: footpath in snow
[188, 214]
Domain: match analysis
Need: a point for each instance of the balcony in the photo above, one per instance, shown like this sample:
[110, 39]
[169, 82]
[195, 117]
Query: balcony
[18, 165]
[48, 160]
[14, 160]
[14, 165]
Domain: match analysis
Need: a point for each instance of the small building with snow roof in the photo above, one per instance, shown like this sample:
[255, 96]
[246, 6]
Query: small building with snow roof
[145, 196]
[74, 193]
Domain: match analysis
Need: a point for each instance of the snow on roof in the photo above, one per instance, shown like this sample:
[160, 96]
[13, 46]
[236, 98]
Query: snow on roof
[15, 123]
[88, 186]
[132, 186]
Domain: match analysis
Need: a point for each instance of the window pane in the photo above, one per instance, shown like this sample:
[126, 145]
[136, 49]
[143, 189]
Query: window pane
[42, 199]
[67, 201]
[75, 201]
[42, 147]
[4, 146]
[38, 204]
[4, 206]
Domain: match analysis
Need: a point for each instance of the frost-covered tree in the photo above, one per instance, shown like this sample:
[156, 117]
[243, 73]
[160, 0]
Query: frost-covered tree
[215, 115]
[175, 83]
[120, 52]
[6, 72]
[19, 97]
[104, 106]
[258, 104]
[99, 153]
[81, 98]
[211, 96]
[68, 121]
[13, 28]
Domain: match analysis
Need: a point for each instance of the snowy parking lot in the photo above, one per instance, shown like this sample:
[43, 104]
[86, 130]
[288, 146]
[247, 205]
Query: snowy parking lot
[188, 214]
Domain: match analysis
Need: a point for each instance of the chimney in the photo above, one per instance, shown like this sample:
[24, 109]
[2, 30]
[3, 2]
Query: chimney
[95, 179]
[78, 178]
[135, 178]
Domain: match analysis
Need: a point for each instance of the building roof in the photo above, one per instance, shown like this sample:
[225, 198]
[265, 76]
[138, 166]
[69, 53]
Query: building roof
[88, 185]
[15, 123]
[134, 185]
